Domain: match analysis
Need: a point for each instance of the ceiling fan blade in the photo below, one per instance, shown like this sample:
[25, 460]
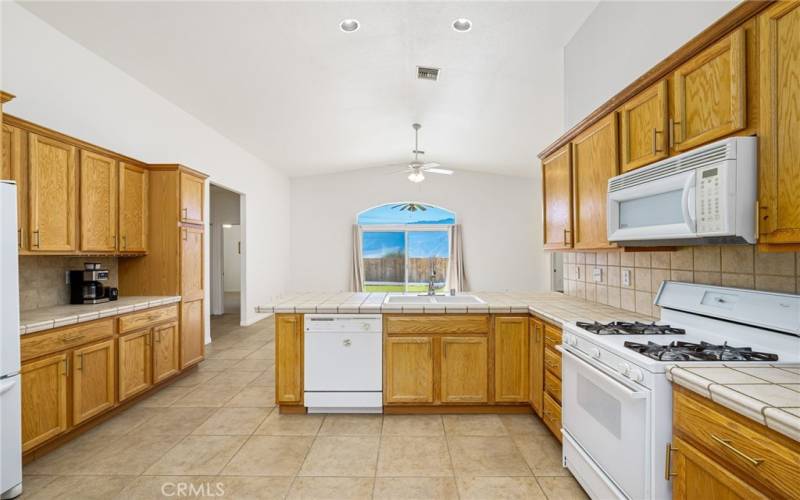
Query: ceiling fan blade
[439, 171]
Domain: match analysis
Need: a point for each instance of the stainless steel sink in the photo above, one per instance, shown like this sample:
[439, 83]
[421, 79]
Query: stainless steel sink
[458, 299]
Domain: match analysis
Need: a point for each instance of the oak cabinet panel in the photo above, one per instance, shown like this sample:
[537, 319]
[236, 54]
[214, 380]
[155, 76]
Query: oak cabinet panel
[52, 194]
[594, 162]
[98, 201]
[551, 415]
[166, 354]
[44, 399]
[191, 198]
[644, 128]
[191, 263]
[289, 358]
[93, 380]
[710, 98]
[192, 338]
[511, 371]
[408, 370]
[14, 167]
[135, 363]
[779, 163]
[557, 196]
[464, 374]
[536, 333]
[133, 211]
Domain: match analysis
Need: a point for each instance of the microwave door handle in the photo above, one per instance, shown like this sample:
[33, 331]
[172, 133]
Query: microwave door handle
[687, 202]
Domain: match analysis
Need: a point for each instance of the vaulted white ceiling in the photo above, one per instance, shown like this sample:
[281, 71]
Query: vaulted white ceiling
[281, 80]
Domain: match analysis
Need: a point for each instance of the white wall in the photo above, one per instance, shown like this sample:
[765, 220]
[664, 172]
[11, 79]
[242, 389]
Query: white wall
[501, 218]
[620, 41]
[63, 86]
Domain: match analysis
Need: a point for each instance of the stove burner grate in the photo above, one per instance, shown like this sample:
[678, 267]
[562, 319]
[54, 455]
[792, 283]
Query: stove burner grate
[704, 351]
[628, 328]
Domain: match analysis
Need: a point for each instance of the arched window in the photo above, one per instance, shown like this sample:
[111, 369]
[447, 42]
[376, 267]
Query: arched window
[404, 246]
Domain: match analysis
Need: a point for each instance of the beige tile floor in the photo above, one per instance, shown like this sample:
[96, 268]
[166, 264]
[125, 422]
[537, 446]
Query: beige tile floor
[216, 433]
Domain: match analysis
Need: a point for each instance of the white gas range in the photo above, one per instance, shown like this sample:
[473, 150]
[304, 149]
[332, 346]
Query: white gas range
[616, 399]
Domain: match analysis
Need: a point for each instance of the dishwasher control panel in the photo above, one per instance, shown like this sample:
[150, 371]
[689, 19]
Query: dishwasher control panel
[343, 323]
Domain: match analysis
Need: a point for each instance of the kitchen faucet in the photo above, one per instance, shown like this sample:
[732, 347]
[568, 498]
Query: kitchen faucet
[431, 283]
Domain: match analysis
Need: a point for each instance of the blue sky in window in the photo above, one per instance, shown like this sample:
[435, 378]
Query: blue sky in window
[385, 214]
[420, 243]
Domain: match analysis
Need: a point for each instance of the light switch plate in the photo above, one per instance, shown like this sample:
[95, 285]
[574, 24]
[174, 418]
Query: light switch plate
[626, 277]
[597, 274]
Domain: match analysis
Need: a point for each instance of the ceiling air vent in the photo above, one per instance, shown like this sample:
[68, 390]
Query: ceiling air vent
[427, 73]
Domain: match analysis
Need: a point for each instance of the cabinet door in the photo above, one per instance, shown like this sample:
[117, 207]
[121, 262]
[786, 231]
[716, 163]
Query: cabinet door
[779, 169]
[14, 167]
[44, 399]
[511, 359]
[135, 367]
[557, 196]
[710, 94]
[700, 477]
[464, 376]
[289, 358]
[52, 195]
[192, 341]
[191, 263]
[93, 376]
[191, 198]
[133, 199]
[408, 370]
[536, 361]
[98, 203]
[166, 357]
[594, 162]
[644, 127]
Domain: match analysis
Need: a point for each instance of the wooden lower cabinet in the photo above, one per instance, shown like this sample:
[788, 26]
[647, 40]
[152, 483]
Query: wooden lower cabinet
[44, 399]
[408, 369]
[463, 372]
[192, 338]
[94, 370]
[536, 362]
[135, 363]
[166, 351]
[511, 371]
[551, 415]
[289, 359]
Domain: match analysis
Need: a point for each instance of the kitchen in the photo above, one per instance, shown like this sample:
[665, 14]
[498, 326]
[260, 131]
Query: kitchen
[471, 325]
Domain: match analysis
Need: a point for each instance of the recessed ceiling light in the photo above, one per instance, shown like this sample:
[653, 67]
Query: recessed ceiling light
[462, 24]
[349, 25]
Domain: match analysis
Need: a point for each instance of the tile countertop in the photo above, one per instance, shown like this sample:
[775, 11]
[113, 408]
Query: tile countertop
[553, 306]
[768, 394]
[46, 318]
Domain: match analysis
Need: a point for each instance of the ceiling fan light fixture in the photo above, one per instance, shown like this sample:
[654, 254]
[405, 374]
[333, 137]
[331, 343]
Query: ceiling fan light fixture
[349, 25]
[416, 176]
[462, 25]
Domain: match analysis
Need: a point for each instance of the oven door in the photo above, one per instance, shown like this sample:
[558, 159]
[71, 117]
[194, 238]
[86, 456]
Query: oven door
[658, 209]
[609, 420]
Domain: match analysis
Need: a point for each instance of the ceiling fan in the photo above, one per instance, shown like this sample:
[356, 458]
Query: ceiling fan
[417, 169]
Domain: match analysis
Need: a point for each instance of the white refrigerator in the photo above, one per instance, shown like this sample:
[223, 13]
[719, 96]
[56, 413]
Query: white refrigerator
[10, 407]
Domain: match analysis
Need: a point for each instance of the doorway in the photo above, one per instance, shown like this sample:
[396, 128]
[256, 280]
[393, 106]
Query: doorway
[227, 281]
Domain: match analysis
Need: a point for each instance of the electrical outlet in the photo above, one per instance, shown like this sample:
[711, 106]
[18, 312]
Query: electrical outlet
[597, 274]
[626, 278]
[66, 273]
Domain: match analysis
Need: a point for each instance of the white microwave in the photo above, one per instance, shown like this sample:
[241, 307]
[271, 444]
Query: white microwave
[707, 195]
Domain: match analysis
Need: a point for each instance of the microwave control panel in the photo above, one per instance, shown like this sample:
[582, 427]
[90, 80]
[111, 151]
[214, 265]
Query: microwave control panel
[709, 200]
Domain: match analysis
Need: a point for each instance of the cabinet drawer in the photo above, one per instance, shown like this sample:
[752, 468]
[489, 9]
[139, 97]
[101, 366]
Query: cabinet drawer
[745, 445]
[552, 361]
[552, 336]
[552, 415]
[552, 385]
[449, 324]
[141, 319]
[32, 346]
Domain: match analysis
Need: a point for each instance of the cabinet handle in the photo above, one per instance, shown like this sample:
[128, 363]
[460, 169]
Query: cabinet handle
[36, 233]
[655, 141]
[158, 337]
[755, 462]
[124, 242]
[185, 234]
[185, 213]
[80, 362]
[668, 463]
[566, 231]
[672, 139]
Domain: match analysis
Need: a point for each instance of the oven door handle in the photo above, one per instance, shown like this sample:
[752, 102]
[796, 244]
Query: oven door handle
[621, 389]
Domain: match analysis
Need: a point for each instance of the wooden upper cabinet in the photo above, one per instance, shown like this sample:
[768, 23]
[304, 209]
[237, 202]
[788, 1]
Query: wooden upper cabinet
[594, 162]
[52, 195]
[191, 198]
[464, 374]
[779, 162]
[536, 363]
[14, 167]
[135, 363]
[98, 194]
[192, 338]
[289, 359]
[644, 127]
[557, 198]
[133, 196]
[166, 354]
[93, 380]
[710, 94]
[44, 399]
[191, 263]
[511, 370]
[408, 370]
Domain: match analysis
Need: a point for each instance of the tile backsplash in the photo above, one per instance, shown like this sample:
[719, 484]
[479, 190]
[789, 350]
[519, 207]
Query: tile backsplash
[42, 278]
[739, 266]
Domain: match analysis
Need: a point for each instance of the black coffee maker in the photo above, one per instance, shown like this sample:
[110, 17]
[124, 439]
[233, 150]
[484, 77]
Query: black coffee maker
[86, 285]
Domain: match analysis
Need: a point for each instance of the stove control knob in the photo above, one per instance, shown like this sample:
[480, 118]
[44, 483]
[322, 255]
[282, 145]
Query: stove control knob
[635, 374]
[365, 327]
[624, 368]
[573, 340]
[594, 352]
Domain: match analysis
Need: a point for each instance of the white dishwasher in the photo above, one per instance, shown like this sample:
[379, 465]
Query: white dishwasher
[343, 363]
